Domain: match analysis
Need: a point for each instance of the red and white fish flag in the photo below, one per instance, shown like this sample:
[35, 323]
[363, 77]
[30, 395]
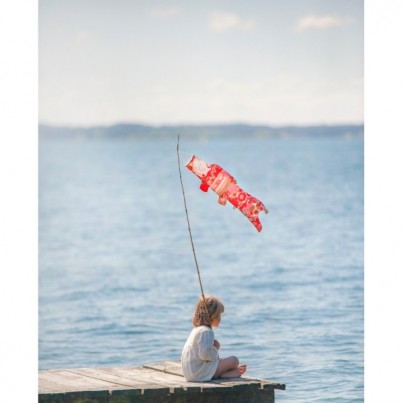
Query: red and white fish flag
[221, 182]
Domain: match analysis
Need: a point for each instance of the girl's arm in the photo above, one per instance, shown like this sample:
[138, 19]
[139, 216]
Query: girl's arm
[206, 349]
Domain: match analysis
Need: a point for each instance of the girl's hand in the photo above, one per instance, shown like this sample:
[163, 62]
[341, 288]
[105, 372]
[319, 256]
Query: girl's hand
[216, 344]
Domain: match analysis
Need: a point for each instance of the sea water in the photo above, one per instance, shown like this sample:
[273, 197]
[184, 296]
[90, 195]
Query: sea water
[118, 281]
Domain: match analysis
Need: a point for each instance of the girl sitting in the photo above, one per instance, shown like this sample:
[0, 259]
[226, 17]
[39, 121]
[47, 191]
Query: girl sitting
[200, 360]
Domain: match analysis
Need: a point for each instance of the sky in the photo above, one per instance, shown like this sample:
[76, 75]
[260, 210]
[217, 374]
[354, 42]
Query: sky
[289, 62]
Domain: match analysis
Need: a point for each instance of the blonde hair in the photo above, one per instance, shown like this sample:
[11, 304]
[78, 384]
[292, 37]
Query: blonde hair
[214, 309]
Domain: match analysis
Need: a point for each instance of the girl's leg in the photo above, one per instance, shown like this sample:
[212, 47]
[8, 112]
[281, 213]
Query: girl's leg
[229, 368]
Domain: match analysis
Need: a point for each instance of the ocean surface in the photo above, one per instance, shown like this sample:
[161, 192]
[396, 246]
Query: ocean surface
[117, 278]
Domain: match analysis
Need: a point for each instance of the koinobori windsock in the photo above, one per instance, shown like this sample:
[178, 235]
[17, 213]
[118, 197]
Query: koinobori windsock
[221, 182]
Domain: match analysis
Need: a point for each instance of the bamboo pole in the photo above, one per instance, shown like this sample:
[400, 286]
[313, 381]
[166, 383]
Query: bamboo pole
[190, 233]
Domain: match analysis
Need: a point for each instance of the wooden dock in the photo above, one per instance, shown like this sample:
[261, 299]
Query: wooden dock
[152, 383]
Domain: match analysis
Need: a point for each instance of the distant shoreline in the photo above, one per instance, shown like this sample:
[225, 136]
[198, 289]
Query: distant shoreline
[139, 131]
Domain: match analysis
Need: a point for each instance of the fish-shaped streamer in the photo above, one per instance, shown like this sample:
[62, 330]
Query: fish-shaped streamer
[221, 182]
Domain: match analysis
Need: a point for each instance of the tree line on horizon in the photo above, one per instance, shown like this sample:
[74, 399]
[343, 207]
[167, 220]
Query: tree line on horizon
[136, 131]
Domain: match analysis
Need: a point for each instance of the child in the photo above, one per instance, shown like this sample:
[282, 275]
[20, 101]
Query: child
[200, 361]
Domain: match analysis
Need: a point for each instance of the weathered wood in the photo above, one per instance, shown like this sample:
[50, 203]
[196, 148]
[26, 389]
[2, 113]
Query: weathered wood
[168, 367]
[158, 382]
[67, 381]
[174, 367]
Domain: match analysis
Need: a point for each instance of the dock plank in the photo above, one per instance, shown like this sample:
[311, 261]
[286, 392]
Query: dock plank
[174, 367]
[168, 367]
[175, 383]
[140, 377]
[66, 381]
[111, 375]
[145, 377]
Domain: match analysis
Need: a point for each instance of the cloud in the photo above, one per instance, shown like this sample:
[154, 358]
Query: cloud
[321, 22]
[164, 12]
[220, 22]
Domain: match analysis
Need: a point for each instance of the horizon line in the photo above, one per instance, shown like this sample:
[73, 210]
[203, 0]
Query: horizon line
[197, 124]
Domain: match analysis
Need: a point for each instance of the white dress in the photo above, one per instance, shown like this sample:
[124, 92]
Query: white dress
[199, 356]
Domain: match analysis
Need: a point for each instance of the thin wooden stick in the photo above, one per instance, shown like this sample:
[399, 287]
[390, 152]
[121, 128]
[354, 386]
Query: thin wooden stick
[190, 232]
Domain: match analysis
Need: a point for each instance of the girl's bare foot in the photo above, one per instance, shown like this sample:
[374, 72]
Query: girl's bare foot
[242, 369]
